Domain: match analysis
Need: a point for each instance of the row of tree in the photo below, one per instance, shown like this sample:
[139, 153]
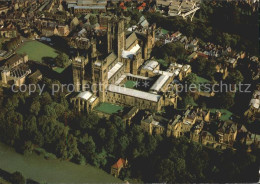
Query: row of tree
[223, 23]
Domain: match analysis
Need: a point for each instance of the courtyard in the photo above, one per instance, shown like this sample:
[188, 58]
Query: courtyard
[109, 108]
[139, 85]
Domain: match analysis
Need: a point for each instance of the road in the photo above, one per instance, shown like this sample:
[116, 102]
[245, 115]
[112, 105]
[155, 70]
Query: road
[37, 168]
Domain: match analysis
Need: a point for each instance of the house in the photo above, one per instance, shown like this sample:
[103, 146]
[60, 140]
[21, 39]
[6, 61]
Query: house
[148, 70]
[254, 106]
[36, 76]
[74, 23]
[127, 118]
[8, 32]
[152, 126]
[193, 56]
[15, 70]
[63, 30]
[227, 132]
[4, 8]
[48, 31]
[232, 62]
[118, 166]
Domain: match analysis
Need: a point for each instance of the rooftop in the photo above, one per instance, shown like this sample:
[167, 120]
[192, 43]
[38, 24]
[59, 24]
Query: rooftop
[114, 69]
[134, 93]
[150, 65]
[85, 95]
[159, 83]
[131, 53]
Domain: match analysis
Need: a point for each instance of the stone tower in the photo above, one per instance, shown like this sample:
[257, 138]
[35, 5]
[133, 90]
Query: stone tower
[116, 36]
[99, 79]
[78, 69]
[150, 41]
[121, 37]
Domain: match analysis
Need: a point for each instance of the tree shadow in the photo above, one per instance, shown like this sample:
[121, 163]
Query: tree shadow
[48, 61]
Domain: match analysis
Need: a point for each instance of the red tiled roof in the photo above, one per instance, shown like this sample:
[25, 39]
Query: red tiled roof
[202, 55]
[119, 164]
[101, 28]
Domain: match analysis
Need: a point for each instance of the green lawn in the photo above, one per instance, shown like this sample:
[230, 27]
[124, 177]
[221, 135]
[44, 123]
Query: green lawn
[130, 84]
[108, 108]
[164, 31]
[59, 70]
[201, 80]
[225, 114]
[37, 50]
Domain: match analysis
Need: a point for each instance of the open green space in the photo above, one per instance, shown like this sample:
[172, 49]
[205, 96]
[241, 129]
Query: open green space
[164, 31]
[109, 108]
[41, 170]
[225, 114]
[130, 84]
[60, 70]
[201, 80]
[37, 50]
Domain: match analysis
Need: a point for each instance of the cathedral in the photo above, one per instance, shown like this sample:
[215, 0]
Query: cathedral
[101, 75]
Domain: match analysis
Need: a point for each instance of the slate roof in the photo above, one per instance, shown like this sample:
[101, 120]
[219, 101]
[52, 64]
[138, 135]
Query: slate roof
[130, 40]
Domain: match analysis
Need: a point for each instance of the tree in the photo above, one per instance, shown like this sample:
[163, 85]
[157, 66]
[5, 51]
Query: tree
[27, 148]
[235, 77]
[225, 100]
[30, 127]
[80, 159]
[199, 65]
[89, 150]
[186, 100]
[173, 49]
[17, 178]
[123, 144]
[45, 98]
[35, 108]
[165, 172]
[62, 60]
[210, 69]
[191, 79]
[93, 19]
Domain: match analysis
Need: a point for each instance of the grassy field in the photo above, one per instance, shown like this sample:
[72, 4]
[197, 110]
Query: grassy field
[59, 70]
[164, 31]
[108, 108]
[201, 80]
[130, 84]
[225, 113]
[37, 50]
[41, 170]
